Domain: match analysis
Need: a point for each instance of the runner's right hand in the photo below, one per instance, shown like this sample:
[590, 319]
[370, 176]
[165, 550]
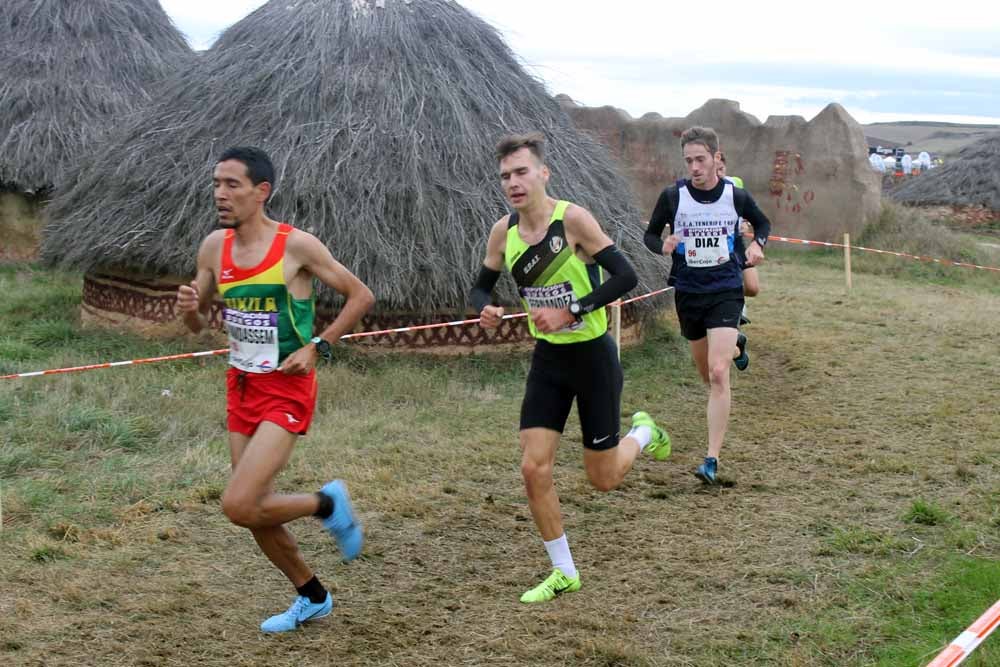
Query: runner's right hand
[187, 297]
[490, 317]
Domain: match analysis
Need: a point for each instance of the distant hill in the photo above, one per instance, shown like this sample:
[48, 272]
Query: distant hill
[938, 139]
[880, 141]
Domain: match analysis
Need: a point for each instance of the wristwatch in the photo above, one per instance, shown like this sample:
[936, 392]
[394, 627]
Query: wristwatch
[322, 347]
[576, 310]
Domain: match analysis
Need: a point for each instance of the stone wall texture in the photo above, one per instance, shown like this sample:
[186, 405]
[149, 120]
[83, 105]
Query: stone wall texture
[811, 178]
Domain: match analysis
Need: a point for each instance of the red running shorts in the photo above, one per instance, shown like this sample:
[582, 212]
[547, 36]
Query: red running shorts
[286, 400]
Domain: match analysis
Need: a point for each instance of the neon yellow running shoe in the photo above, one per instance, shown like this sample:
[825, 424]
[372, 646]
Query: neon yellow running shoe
[554, 585]
[659, 446]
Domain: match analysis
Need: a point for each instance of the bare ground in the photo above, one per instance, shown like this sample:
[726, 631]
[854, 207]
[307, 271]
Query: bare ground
[853, 408]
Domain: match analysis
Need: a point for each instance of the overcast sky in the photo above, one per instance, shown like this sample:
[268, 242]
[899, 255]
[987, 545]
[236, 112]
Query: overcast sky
[883, 60]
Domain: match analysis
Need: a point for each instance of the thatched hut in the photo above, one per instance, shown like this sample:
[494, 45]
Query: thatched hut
[71, 70]
[381, 117]
[971, 180]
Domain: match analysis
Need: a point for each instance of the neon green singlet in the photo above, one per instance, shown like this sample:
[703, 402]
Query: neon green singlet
[550, 275]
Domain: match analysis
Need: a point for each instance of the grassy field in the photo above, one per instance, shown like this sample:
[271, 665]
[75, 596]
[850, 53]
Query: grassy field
[860, 524]
[915, 232]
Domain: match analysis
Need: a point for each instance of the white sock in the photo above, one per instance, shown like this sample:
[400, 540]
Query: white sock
[641, 434]
[560, 556]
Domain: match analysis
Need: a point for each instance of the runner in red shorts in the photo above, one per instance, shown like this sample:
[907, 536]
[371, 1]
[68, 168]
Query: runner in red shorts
[264, 271]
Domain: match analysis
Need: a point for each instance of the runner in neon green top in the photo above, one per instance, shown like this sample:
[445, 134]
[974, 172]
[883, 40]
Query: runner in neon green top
[554, 278]
[751, 280]
[555, 252]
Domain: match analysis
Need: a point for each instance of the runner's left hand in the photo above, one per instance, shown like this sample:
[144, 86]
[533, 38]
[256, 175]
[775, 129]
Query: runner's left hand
[549, 320]
[755, 254]
[300, 362]
[670, 244]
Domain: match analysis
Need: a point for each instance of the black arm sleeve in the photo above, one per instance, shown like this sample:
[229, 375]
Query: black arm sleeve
[622, 279]
[481, 294]
[662, 218]
[747, 208]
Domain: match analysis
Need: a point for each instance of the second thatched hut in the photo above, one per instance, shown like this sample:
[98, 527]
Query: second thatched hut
[381, 117]
[970, 181]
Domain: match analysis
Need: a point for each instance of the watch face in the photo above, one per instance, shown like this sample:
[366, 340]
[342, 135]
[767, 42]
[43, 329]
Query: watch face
[322, 346]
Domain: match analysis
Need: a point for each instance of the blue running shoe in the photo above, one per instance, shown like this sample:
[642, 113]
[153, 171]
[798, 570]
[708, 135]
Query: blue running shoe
[707, 470]
[342, 524]
[302, 610]
[742, 361]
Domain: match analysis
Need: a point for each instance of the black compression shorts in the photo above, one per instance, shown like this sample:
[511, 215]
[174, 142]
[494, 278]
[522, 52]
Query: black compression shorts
[700, 312]
[588, 371]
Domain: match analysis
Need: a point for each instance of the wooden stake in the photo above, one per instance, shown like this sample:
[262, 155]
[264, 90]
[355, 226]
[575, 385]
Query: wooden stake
[847, 259]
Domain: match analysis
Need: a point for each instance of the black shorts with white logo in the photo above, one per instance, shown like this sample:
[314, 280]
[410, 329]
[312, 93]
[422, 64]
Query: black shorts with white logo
[589, 372]
[700, 312]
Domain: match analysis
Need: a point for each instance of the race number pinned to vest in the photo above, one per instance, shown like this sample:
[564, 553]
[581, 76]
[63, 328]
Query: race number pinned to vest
[706, 230]
[559, 295]
[253, 340]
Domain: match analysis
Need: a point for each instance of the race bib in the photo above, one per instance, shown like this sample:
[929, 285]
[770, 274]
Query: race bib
[706, 243]
[559, 295]
[253, 340]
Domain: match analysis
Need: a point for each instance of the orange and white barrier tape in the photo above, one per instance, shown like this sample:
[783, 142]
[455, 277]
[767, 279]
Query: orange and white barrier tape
[421, 327]
[935, 260]
[643, 297]
[968, 641]
[116, 364]
[364, 334]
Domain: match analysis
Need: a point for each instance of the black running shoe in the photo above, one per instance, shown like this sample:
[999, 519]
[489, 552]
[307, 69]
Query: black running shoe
[742, 361]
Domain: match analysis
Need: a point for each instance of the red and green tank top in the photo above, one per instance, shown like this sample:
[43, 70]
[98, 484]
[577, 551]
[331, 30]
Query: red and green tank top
[264, 322]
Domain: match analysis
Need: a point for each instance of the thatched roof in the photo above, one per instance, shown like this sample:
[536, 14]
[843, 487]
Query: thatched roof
[71, 69]
[381, 122]
[973, 179]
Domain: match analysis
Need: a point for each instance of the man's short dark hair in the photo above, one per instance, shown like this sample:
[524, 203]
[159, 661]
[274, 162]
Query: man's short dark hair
[512, 143]
[705, 136]
[258, 164]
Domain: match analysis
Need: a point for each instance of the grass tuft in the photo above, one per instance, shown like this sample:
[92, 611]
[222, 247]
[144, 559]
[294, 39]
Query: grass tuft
[48, 554]
[926, 514]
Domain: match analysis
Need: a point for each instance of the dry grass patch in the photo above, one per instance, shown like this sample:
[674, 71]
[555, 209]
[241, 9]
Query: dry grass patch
[856, 407]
